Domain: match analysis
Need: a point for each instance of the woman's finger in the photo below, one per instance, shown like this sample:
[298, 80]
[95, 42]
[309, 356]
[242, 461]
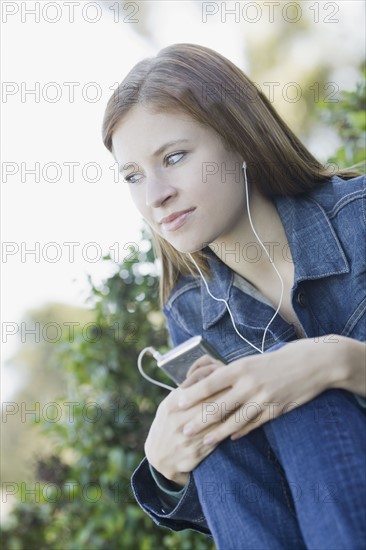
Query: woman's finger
[198, 374]
[201, 362]
[204, 388]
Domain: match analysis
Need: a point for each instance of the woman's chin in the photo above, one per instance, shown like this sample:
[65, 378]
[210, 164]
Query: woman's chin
[187, 248]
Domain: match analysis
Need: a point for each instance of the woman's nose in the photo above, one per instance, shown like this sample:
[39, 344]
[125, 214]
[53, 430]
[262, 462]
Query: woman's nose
[157, 191]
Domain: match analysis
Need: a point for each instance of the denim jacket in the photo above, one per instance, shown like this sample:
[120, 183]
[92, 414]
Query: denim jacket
[326, 230]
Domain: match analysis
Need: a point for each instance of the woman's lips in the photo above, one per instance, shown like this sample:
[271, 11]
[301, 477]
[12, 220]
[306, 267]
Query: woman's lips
[177, 222]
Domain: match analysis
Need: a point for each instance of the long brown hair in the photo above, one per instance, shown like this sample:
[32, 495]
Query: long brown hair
[202, 83]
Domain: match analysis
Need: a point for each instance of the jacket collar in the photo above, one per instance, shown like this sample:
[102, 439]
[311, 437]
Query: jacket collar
[315, 250]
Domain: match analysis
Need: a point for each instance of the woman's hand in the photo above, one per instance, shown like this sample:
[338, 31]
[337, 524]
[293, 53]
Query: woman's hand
[167, 449]
[260, 387]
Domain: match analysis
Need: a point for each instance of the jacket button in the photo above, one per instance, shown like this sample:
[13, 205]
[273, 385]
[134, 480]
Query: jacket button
[301, 298]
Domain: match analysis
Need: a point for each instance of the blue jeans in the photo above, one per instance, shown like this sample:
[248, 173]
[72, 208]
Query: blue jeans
[295, 482]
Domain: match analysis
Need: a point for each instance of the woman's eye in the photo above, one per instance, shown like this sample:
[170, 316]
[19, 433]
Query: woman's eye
[129, 179]
[180, 154]
[168, 157]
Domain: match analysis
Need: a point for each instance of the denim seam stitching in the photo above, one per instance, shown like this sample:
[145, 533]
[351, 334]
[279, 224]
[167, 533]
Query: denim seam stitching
[343, 202]
[176, 295]
[177, 319]
[180, 504]
[352, 322]
[335, 239]
[363, 202]
[277, 341]
[282, 478]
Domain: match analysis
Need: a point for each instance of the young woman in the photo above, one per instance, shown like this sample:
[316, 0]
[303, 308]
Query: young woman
[262, 253]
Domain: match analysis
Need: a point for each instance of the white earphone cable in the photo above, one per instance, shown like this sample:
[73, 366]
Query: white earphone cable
[157, 356]
[244, 166]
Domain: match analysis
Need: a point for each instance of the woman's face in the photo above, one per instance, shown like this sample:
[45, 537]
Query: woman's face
[195, 177]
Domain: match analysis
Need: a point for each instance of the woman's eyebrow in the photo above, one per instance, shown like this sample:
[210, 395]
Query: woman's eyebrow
[169, 144]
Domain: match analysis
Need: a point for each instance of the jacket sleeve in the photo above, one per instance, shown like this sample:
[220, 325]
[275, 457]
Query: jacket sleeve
[176, 510]
[186, 513]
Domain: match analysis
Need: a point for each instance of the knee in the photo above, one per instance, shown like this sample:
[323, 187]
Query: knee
[325, 407]
[333, 409]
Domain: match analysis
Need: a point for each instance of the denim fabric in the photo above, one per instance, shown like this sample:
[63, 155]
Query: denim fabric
[296, 482]
[326, 233]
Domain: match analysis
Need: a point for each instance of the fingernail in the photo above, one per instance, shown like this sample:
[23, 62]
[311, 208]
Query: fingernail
[187, 430]
[209, 439]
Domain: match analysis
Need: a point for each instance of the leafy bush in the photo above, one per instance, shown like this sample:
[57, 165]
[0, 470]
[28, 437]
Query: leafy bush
[85, 498]
[348, 117]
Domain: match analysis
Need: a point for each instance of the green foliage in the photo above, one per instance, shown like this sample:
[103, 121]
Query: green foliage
[84, 496]
[84, 499]
[35, 364]
[348, 117]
